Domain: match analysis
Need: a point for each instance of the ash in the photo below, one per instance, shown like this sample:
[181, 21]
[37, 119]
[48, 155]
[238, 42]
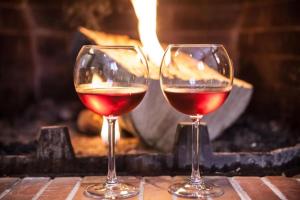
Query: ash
[250, 134]
[19, 135]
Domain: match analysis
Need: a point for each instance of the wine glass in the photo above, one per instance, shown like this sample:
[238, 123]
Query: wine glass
[110, 81]
[196, 79]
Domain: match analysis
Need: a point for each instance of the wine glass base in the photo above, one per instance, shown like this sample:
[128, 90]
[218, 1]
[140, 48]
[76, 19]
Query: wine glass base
[189, 190]
[111, 191]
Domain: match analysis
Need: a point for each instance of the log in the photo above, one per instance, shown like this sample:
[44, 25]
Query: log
[54, 144]
[154, 119]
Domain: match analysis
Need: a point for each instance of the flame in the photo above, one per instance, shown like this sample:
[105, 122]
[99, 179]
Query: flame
[104, 131]
[96, 81]
[146, 14]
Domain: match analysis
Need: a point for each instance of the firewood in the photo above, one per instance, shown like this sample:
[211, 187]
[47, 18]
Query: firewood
[155, 120]
[109, 39]
[54, 143]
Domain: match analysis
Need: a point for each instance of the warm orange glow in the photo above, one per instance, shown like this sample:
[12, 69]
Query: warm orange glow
[146, 14]
[214, 102]
[97, 82]
[104, 131]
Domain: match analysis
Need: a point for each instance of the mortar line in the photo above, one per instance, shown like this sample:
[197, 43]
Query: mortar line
[74, 190]
[141, 187]
[40, 192]
[5, 192]
[274, 188]
[239, 190]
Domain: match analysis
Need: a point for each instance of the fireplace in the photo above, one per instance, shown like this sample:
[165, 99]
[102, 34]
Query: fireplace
[39, 41]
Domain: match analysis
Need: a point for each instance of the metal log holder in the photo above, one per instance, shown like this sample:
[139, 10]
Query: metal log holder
[55, 157]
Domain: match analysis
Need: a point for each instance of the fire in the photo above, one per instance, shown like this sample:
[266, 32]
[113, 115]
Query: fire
[96, 81]
[146, 14]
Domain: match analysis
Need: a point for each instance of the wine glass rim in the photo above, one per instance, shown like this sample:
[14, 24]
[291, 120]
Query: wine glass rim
[111, 46]
[195, 45]
[136, 48]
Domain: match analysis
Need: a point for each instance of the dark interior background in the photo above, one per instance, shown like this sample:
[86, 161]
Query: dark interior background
[37, 41]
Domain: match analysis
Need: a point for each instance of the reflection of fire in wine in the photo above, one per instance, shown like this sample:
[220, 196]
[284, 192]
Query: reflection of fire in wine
[196, 101]
[112, 101]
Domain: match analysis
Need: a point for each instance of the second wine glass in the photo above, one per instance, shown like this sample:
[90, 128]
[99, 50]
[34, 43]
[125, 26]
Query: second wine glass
[196, 79]
[110, 81]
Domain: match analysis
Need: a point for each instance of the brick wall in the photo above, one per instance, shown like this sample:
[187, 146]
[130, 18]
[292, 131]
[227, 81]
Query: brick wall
[262, 37]
[34, 53]
[269, 57]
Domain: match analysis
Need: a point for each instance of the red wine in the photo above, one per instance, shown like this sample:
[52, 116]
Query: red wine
[196, 101]
[111, 101]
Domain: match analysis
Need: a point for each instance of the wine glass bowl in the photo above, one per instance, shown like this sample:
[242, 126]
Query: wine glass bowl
[108, 87]
[196, 79]
[110, 81]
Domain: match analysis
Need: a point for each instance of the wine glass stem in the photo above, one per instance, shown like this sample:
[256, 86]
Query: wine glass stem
[195, 176]
[111, 174]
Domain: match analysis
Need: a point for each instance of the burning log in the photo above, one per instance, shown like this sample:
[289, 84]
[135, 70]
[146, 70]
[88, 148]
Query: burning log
[154, 120]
